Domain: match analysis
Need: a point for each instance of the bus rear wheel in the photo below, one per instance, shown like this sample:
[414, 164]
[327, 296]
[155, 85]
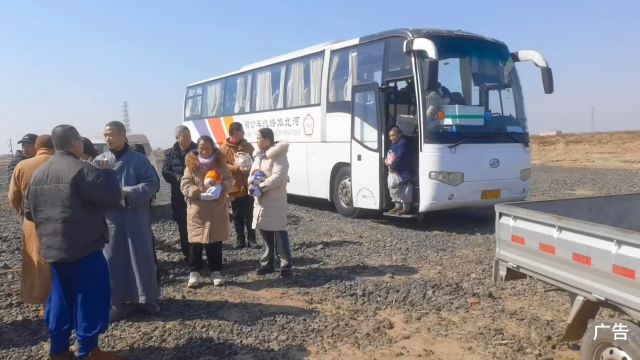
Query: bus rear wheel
[342, 195]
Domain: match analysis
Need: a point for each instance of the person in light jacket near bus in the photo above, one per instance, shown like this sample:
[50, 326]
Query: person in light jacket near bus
[207, 219]
[270, 207]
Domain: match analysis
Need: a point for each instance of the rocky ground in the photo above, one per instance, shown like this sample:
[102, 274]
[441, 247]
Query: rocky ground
[362, 289]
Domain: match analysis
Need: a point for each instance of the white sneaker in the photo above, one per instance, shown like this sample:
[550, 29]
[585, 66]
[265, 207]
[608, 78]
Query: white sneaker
[217, 278]
[194, 279]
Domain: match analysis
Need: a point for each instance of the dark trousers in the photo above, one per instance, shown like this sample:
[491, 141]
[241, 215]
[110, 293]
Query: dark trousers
[276, 243]
[179, 211]
[79, 300]
[214, 256]
[243, 219]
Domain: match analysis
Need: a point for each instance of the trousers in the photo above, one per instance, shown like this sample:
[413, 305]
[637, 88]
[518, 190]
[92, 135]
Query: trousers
[80, 300]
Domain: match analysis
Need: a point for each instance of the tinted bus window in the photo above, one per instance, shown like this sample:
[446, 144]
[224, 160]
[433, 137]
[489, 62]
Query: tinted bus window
[237, 92]
[303, 81]
[268, 90]
[213, 99]
[193, 103]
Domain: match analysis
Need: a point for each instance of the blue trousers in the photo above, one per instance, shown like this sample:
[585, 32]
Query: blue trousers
[80, 300]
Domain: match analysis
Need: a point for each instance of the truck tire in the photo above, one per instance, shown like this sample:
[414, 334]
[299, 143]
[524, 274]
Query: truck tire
[342, 195]
[606, 347]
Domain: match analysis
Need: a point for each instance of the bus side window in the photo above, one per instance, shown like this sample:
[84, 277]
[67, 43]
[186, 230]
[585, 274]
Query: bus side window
[193, 104]
[303, 81]
[398, 62]
[370, 58]
[338, 74]
[268, 88]
[213, 98]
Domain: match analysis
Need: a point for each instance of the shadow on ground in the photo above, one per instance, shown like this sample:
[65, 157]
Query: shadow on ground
[243, 313]
[209, 349]
[23, 333]
[317, 277]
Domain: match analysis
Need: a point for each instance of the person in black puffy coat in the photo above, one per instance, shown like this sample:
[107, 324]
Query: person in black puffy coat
[172, 172]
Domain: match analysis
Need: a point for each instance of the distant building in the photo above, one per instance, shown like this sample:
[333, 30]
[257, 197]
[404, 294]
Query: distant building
[550, 133]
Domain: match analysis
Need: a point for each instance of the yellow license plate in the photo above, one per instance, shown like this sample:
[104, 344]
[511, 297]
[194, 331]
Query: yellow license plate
[490, 194]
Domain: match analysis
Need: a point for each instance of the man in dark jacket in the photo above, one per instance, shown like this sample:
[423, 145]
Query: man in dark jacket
[172, 171]
[401, 171]
[66, 201]
[28, 151]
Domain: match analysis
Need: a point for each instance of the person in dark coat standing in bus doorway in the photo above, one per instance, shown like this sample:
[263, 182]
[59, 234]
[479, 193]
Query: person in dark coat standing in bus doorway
[399, 161]
[270, 207]
[130, 251]
[238, 152]
[172, 172]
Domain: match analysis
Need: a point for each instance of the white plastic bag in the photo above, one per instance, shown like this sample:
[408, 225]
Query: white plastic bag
[243, 161]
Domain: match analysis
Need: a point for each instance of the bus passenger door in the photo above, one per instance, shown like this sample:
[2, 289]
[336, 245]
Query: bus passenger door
[366, 161]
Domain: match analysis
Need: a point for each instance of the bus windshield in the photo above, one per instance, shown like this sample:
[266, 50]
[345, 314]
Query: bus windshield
[478, 99]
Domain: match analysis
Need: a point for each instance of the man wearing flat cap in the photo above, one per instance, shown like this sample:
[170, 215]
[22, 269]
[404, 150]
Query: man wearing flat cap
[28, 151]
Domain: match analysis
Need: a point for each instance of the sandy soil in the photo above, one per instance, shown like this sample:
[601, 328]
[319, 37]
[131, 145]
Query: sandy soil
[618, 150]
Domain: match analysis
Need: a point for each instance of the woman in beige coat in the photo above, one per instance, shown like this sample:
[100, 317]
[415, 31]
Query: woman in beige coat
[270, 208]
[207, 219]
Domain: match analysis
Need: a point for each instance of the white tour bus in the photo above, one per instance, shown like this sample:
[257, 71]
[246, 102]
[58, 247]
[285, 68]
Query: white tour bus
[455, 95]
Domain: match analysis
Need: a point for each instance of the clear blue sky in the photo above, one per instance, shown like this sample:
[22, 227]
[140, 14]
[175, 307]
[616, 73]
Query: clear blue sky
[76, 61]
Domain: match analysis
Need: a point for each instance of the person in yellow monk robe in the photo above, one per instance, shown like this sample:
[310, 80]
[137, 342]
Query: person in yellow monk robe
[36, 275]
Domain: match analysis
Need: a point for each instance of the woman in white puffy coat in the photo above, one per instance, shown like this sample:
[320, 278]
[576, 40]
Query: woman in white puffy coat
[270, 208]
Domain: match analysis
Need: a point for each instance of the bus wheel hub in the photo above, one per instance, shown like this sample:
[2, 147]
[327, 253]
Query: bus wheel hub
[611, 353]
[344, 192]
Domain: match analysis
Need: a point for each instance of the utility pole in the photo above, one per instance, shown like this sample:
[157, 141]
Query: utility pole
[593, 120]
[125, 116]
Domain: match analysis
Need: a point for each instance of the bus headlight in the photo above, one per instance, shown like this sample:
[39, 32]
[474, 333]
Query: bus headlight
[450, 178]
[525, 174]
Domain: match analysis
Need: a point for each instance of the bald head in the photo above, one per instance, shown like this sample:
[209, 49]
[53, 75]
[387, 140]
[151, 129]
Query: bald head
[44, 142]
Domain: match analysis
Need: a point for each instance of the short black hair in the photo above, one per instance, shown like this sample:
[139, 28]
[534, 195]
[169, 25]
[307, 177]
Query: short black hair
[89, 148]
[396, 129]
[207, 139]
[235, 126]
[117, 125]
[62, 135]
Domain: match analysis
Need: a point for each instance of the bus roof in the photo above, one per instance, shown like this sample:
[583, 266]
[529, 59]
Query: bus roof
[338, 44]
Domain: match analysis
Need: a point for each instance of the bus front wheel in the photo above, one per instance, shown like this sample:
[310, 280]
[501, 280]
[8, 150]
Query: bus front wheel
[342, 195]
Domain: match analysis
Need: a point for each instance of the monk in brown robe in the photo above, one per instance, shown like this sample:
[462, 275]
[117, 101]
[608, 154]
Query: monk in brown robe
[36, 275]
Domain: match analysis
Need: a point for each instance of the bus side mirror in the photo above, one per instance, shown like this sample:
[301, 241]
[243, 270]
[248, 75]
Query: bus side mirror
[426, 46]
[431, 74]
[539, 61]
[547, 80]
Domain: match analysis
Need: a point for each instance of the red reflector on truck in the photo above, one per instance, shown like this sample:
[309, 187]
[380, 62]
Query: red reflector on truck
[581, 259]
[624, 272]
[517, 240]
[547, 248]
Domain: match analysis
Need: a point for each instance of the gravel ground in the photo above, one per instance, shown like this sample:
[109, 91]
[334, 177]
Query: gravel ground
[365, 288]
